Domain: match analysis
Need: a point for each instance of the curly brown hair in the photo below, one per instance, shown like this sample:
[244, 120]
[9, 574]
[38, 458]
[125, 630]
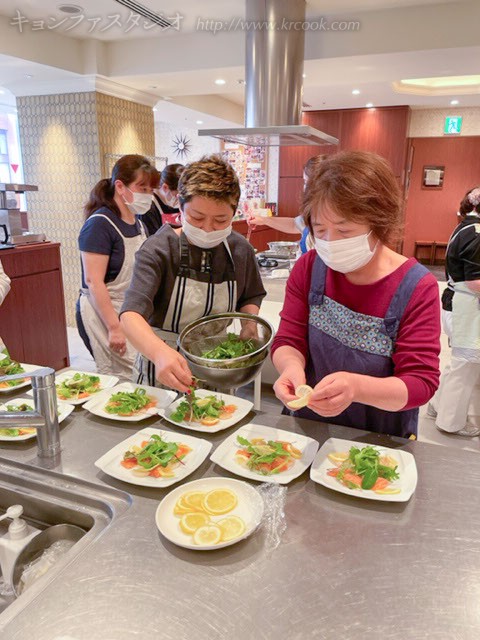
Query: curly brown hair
[359, 186]
[209, 177]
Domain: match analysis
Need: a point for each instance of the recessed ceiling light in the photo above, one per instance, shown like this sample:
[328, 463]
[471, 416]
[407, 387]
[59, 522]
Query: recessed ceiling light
[220, 81]
[454, 102]
[28, 76]
[369, 105]
[2, 91]
[355, 92]
[154, 109]
[304, 75]
[71, 9]
[199, 121]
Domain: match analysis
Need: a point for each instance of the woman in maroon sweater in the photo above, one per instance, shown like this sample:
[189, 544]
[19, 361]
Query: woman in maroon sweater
[360, 322]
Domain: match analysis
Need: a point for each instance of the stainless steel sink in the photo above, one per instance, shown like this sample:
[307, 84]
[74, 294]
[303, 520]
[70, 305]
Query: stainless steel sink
[49, 498]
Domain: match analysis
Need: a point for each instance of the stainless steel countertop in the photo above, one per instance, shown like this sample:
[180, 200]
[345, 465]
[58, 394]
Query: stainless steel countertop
[345, 568]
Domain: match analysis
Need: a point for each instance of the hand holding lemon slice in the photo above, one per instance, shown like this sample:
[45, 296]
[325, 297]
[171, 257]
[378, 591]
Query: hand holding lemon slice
[303, 393]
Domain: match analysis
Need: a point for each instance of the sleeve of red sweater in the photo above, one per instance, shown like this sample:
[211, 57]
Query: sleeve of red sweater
[418, 342]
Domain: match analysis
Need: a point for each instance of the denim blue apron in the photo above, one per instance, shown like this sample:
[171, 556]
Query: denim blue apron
[343, 340]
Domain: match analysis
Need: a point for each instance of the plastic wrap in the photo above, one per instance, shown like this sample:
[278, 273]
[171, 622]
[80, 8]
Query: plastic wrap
[39, 567]
[274, 523]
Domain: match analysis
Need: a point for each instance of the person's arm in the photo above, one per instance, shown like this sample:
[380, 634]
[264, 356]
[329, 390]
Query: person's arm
[283, 223]
[95, 267]
[4, 284]
[171, 369]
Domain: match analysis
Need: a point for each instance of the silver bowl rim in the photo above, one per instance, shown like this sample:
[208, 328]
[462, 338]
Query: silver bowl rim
[224, 316]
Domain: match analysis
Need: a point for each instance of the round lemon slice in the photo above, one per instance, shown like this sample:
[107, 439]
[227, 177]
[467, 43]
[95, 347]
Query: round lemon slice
[190, 522]
[303, 393]
[232, 527]
[219, 501]
[337, 457]
[193, 499]
[209, 534]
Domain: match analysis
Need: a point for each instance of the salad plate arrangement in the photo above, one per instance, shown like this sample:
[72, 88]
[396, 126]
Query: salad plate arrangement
[76, 387]
[154, 458]
[210, 513]
[25, 433]
[9, 367]
[365, 471]
[207, 411]
[128, 402]
[265, 454]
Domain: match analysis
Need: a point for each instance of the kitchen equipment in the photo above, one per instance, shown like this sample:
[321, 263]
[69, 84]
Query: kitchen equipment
[11, 228]
[207, 333]
[286, 249]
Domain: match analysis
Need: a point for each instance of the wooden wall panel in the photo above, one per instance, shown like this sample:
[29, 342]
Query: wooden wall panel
[431, 215]
[290, 191]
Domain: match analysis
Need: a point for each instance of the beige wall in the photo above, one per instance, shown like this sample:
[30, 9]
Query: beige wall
[64, 139]
[429, 123]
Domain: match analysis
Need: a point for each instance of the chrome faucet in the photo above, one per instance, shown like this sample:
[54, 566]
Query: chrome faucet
[45, 416]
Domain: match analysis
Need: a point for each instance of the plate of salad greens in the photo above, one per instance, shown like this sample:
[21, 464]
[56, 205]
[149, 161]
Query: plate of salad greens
[76, 387]
[130, 402]
[265, 454]
[365, 471]
[24, 404]
[154, 458]
[207, 411]
[9, 367]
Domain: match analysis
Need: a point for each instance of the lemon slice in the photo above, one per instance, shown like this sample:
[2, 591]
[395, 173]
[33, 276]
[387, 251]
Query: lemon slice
[232, 527]
[207, 535]
[190, 522]
[338, 457]
[387, 492]
[219, 501]
[193, 499]
[303, 393]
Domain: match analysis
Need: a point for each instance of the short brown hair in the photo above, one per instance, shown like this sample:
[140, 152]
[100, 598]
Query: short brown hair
[359, 186]
[209, 177]
[170, 175]
[312, 163]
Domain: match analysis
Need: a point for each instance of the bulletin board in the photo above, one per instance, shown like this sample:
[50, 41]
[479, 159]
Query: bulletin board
[250, 164]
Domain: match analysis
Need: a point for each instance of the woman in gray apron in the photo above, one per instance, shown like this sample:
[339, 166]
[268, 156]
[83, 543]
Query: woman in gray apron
[360, 323]
[461, 301]
[184, 274]
[108, 241]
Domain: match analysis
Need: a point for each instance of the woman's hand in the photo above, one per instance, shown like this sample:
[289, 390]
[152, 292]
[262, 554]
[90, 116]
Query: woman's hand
[171, 369]
[117, 340]
[333, 394]
[291, 378]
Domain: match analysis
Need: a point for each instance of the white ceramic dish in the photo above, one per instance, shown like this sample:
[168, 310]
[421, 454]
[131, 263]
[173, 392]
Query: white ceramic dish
[28, 369]
[224, 454]
[96, 404]
[105, 383]
[249, 508]
[243, 408]
[110, 462]
[407, 470]
[64, 410]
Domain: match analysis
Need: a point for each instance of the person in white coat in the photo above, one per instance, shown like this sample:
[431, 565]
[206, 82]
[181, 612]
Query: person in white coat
[4, 284]
[461, 319]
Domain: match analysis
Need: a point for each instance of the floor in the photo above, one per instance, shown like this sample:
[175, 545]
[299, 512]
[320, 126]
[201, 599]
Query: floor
[81, 360]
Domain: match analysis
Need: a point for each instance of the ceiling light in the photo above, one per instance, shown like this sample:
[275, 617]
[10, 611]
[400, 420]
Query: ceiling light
[220, 81]
[369, 105]
[454, 102]
[71, 9]
[355, 92]
[28, 76]
[199, 121]
[439, 86]
[154, 109]
[2, 91]
[304, 75]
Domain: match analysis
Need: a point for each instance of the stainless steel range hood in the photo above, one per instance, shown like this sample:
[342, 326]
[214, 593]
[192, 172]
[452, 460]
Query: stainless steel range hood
[274, 79]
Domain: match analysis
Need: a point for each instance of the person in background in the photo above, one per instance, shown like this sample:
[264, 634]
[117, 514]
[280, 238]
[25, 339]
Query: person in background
[296, 225]
[164, 209]
[461, 320]
[4, 284]
[180, 275]
[108, 241]
[360, 323]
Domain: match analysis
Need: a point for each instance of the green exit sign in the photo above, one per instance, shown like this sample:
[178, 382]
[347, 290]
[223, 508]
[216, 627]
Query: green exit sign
[453, 124]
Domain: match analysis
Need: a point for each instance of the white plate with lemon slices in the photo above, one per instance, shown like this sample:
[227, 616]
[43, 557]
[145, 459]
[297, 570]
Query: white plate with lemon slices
[210, 513]
[334, 450]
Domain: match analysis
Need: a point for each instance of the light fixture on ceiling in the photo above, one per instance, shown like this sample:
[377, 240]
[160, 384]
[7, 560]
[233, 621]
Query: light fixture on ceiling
[220, 81]
[304, 75]
[2, 91]
[154, 109]
[71, 9]
[439, 86]
[28, 76]
[369, 105]
[454, 102]
[199, 121]
[355, 92]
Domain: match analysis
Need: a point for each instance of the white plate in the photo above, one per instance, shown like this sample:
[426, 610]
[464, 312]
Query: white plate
[407, 470]
[110, 462]
[64, 410]
[243, 408]
[249, 508]
[224, 454]
[105, 383]
[97, 402]
[28, 369]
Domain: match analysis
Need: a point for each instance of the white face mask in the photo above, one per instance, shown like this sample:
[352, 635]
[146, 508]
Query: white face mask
[345, 255]
[201, 238]
[141, 202]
